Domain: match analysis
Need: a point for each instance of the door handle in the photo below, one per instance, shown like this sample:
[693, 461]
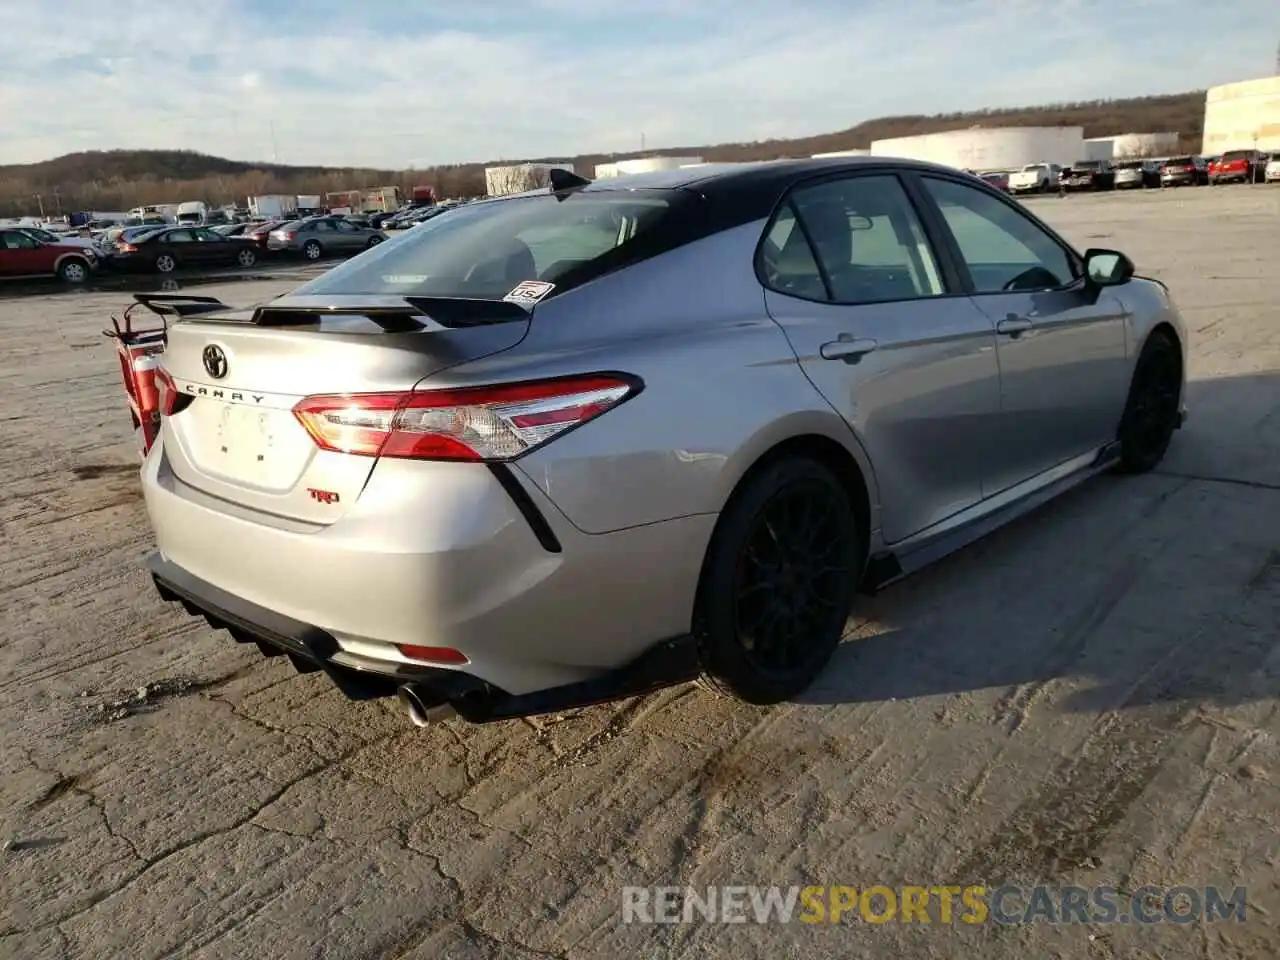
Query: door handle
[1013, 326]
[847, 349]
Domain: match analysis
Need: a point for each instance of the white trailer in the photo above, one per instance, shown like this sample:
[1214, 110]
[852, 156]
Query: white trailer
[519, 177]
[275, 206]
[192, 212]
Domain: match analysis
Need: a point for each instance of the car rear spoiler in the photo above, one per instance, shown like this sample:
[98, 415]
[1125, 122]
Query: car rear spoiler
[394, 314]
[178, 304]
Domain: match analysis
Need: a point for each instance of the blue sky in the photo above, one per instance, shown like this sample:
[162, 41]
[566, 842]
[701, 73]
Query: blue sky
[416, 82]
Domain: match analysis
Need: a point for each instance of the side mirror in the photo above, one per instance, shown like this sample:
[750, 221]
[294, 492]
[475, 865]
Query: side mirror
[1107, 268]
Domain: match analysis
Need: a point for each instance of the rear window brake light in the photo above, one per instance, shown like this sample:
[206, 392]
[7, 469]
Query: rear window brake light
[478, 424]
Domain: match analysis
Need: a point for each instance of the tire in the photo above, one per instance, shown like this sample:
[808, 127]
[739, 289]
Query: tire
[731, 589]
[165, 263]
[73, 270]
[312, 250]
[373, 242]
[1153, 407]
[246, 257]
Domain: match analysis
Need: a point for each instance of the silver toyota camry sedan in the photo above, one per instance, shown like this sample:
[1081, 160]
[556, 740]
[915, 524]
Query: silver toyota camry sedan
[580, 443]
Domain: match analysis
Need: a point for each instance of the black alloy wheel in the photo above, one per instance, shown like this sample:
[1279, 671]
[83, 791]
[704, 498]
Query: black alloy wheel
[1152, 412]
[782, 573]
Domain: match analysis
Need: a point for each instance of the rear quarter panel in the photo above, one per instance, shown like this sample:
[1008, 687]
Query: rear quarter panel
[722, 386]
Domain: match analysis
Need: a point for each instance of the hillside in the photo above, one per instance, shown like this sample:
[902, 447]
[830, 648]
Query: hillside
[120, 179]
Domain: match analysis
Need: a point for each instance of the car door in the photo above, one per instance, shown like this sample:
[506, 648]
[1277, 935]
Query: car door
[1061, 342]
[24, 256]
[348, 237]
[182, 245]
[883, 331]
[214, 247]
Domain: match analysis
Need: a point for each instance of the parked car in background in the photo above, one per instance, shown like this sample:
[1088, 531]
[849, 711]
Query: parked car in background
[23, 256]
[317, 237]
[1035, 178]
[1271, 174]
[98, 249]
[171, 248]
[1238, 166]
[1088, 175]
[1185, 171]
[1132, 174]
[997, 178]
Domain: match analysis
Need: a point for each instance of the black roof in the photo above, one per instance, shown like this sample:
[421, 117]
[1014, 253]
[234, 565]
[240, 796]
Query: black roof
[743, 192]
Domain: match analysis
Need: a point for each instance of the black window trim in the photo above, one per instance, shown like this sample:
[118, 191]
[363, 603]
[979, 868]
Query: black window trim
[939, 223]
[952, 278]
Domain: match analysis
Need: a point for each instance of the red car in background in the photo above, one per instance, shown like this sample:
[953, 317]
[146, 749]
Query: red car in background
[1238, 166]
[24, 256]
[997, 178]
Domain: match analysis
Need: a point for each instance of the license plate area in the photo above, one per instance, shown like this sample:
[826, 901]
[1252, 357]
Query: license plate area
[263, 448]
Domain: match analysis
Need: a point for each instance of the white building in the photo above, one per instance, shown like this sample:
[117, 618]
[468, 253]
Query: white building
[1242, 116]
[519, 177]
[989, 148]
[624, 168]
[1126, 146]
[841, 153]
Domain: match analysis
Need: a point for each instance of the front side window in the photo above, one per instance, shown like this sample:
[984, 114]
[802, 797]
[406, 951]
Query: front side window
[867, 238]
[1002, 249]
[13, 240]
[483, 251]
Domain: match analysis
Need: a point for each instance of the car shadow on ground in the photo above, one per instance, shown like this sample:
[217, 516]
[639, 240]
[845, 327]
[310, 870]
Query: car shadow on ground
[1154, 589]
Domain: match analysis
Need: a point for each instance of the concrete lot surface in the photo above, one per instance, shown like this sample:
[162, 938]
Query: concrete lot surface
[1087, 697]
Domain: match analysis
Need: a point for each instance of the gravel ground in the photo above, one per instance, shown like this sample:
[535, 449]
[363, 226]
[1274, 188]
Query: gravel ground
[1086, 697]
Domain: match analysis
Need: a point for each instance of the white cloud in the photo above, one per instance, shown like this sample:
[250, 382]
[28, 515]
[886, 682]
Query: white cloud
[561, 77]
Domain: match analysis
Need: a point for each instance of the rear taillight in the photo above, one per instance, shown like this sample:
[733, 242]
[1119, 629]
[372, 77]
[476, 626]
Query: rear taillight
[128, 248]
[169, 400]
[474, 423]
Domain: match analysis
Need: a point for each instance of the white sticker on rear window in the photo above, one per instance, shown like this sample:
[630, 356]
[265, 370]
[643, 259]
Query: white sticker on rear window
[401, 278]
[529, 291]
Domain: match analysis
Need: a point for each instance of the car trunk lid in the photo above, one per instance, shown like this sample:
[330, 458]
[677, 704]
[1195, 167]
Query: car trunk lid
[240, 374]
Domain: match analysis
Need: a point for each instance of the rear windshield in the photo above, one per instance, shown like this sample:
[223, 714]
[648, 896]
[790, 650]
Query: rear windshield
[1180, 161]
[1085, 165]
[1034, 168]
[1236, 155]
[483, 251]
[1130, 165]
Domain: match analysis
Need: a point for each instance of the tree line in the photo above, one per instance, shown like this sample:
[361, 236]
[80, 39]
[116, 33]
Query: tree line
[122, 179]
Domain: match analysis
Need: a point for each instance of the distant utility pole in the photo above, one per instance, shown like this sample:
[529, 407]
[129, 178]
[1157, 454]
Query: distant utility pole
[642, 141]
[275, 152]
[57, 200]
[40, 203]
[1278, 59]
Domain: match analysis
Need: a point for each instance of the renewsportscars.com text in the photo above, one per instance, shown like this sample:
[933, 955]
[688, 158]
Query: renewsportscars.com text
[941, 904]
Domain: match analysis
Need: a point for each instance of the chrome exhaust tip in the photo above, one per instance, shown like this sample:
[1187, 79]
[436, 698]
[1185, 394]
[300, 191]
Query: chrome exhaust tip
[419, 712]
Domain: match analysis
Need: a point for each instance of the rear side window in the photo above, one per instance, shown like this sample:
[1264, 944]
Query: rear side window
[865, 235]
[483, 251]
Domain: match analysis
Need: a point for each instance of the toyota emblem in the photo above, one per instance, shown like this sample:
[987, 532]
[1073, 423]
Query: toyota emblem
[215, 361]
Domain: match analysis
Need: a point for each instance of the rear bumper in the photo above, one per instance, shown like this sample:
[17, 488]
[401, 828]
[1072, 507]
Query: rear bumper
[312, 649]
[432, 554]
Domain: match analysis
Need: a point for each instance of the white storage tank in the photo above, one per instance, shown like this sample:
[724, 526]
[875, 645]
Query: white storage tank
[1242, 116]
[841, 153]
[989, 148]
[519, 177]
[606, 170]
